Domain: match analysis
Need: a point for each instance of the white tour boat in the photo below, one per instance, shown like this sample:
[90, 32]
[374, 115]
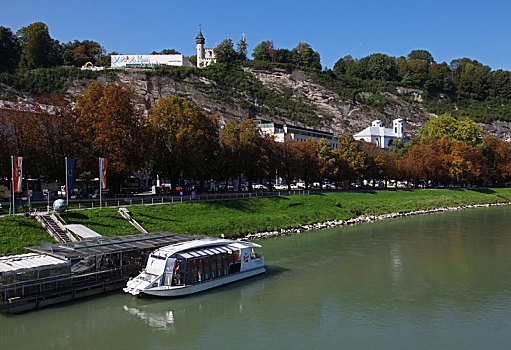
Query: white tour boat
[194, 266]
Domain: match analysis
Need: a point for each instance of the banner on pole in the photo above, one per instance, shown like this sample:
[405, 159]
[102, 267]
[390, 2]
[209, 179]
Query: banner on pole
[102, 173]
[18, 173]
[70, 164]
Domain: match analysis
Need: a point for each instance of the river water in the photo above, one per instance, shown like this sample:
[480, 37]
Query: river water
[436, 281]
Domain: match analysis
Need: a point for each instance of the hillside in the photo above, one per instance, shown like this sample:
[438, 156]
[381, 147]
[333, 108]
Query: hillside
[299, 97]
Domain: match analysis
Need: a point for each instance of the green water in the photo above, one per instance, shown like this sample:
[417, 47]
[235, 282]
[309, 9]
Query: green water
[438, 281]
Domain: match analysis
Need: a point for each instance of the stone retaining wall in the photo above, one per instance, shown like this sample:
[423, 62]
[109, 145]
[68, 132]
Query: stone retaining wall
[358, 220]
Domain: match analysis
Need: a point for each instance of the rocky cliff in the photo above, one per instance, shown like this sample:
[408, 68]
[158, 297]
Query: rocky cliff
[277, 94]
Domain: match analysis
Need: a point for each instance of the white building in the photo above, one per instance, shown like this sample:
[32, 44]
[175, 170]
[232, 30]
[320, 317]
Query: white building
[382, 137]
[204, 56]
[126, 61]
[281, 131]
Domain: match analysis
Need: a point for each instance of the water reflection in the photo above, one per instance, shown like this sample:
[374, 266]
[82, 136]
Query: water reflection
[435, 281]
[167, 314]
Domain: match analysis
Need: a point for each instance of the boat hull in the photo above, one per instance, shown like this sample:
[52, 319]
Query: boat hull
[177, 291]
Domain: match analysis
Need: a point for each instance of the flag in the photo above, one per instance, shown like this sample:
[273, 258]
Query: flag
[70, 166]
[18, 173]
[102, 172]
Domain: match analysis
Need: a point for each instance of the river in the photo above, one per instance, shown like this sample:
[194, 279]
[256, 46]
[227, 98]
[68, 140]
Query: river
[436, 281]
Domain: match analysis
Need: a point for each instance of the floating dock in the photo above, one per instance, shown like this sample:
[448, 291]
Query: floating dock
[57, 273]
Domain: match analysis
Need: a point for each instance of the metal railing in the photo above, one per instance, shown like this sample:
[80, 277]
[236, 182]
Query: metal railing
[156, 200]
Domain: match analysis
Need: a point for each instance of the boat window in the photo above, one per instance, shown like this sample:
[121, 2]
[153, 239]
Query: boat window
[207, 268]
[200, 269]
[214, 272]
[169, 271]
[179, 273]
[225, 263]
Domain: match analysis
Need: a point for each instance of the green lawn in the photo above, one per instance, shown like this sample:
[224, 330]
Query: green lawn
[238, 217]
[18, 232]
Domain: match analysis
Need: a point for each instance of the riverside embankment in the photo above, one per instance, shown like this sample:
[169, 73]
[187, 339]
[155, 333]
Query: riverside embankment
[268, 216]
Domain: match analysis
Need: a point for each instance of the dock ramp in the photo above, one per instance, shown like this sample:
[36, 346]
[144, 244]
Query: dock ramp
[125, 213]
[55, 228]
[82, 231]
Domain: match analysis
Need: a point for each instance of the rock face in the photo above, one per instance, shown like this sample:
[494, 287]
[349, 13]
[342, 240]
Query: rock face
[335, 114]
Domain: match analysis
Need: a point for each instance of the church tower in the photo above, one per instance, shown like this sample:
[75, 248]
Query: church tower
[200, 48]
[399, 128]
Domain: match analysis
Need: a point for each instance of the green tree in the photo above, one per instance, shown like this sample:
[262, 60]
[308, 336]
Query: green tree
[77, 53]
[305, 56]
[241, 49]
[379, 66]
[472, 78]
[265, 51]
[462, 129]
[440, 79]
[225, 53]
[38, 49]
[502, 84]
[9, 50]
[422, 55]
[166, 52]
[284, 56]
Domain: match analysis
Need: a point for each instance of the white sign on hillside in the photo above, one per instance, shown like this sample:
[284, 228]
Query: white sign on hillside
[123, 61]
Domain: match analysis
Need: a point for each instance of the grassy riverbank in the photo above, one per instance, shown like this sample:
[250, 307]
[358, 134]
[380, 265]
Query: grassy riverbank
[238, 217]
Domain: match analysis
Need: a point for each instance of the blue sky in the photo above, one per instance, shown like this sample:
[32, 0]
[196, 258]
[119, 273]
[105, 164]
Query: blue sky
[479, 30]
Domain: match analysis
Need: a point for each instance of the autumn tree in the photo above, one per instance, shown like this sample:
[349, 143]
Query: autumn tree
[308, 164]
[110, 127]
[350, 150]
[254, 162]
[287, 160]
[185, 140]
[497, 158]
[327, 160]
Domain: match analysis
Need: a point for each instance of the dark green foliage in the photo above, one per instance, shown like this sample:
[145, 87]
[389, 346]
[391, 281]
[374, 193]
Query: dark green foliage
[9, 50]
[38, 49]
[77, 53]
[47, 80]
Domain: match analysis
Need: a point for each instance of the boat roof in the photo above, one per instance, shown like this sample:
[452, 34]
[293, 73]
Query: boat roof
[203, 247]
[28, 261]
[111, 244]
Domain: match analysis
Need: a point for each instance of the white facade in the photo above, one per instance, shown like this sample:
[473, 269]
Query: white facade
[381, 136]
[204, 56]
[280, 132]
[124, 61]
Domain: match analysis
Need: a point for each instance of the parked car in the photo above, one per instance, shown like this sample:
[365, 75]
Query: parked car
[260, 187]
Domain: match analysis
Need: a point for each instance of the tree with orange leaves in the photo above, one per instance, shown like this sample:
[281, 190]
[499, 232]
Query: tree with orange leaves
[497, 156]
[111, 127]
[184, 140]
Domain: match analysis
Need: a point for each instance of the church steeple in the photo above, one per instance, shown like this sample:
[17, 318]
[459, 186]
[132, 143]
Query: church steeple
[200, 38]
